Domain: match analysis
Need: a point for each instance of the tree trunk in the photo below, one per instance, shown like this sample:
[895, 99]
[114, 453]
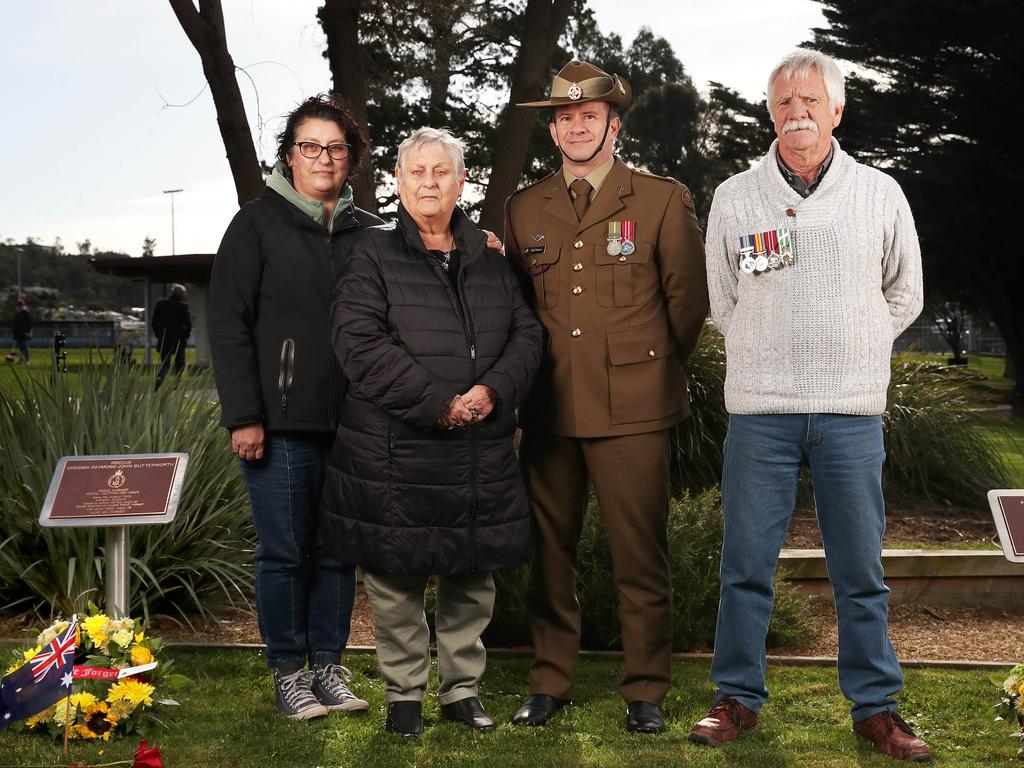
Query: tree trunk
[340, 22]
[205, 30]
[543, 24]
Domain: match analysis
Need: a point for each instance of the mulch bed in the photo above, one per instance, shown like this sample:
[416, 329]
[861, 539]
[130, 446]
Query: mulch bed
[917, 631]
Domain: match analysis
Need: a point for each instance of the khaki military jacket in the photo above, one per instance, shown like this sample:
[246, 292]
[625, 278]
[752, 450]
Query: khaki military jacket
[618, 327]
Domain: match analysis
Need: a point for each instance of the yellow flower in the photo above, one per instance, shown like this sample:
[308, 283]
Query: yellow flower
[14, 666]
[141, 655]
[98, 722]
[135, 691]
[43, 717]
[31, 652]
[121, 708]
[60, 711]
[96, 628]
[83, 700]
[122, 637]
[140, 636]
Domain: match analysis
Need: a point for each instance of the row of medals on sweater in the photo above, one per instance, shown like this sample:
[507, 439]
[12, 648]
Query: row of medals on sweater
[764, 251]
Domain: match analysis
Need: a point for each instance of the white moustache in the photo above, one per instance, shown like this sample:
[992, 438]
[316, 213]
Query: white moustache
[799, 125]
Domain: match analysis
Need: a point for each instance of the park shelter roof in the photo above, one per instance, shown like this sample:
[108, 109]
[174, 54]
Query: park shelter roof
[180, 268]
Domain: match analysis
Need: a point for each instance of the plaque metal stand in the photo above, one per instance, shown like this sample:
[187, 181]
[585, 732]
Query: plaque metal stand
[115, 492]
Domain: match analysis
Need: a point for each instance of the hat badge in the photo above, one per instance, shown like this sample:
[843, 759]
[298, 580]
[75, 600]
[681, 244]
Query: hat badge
[575, 92]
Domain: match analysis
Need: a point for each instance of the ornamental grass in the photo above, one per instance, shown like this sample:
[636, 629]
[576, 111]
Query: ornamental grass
[197, 564]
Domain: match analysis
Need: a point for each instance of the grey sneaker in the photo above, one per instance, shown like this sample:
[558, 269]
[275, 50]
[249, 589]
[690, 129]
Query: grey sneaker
[293, 697]
[330, 686]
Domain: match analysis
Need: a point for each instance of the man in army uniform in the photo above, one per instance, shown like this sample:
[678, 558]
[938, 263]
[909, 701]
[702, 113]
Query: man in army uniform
[613, 262]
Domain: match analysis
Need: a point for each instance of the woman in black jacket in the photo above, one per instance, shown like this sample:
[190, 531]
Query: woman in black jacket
[439, 348]
[280, 385]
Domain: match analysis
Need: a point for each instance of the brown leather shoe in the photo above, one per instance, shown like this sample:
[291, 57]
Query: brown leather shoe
[724, 723]
[893, 736]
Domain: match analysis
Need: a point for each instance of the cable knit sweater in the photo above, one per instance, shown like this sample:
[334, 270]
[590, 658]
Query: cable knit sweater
[814, 337]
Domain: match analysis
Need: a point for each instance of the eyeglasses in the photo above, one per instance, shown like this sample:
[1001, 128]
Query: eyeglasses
[312, 150]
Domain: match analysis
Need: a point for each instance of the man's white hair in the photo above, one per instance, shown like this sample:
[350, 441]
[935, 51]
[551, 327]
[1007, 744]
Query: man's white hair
[455, 147]
[800, 63]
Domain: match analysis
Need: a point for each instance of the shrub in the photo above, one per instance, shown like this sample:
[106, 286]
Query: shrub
[695, 543]
[197, 563]
[933, 451]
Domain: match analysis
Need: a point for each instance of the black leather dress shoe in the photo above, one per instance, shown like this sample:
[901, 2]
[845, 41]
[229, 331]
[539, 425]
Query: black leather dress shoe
[405, 718]
[538, 709]
[469, 711]
[644, 717]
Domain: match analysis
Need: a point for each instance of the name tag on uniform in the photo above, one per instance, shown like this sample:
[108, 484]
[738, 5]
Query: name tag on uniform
[535, 249]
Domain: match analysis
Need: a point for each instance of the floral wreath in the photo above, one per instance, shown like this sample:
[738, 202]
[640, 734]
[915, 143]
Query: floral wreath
[103, 704]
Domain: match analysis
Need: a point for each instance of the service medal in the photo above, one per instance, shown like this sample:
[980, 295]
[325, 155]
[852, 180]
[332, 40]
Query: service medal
[761, 263]
[774, 261]
[628, 237]
[785, 245]
[614, 238]
[747, 264]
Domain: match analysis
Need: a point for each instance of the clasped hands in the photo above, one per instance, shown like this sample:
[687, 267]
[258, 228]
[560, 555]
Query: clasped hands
[473, 406]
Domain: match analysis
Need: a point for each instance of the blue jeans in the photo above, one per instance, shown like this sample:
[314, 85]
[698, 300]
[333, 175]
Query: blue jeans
[304, 598]
[762, 462]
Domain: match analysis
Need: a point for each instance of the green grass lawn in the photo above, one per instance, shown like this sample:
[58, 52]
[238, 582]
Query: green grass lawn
[227, 720]
[42, 363]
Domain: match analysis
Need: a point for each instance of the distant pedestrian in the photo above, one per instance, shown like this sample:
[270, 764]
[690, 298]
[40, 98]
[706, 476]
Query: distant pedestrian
[172, 325]
[22, 328]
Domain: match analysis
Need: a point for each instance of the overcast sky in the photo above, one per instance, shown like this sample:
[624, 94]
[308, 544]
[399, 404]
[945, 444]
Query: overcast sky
[92, 144]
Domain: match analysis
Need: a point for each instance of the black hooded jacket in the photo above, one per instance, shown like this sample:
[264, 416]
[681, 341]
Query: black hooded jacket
[402, 496]
[270, 298]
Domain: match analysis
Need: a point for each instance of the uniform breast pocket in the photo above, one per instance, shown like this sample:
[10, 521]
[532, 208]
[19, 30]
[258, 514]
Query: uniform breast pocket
[543, 267]
[625, 280]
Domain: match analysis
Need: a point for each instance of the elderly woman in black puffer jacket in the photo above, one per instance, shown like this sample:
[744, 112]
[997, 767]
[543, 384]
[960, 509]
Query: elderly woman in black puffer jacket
[439, 348]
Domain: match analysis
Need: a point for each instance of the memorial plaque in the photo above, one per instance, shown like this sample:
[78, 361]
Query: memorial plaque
[136, 489]
[1008, 512]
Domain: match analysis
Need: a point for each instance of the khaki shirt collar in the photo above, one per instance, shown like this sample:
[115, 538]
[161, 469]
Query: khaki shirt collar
[596, 177]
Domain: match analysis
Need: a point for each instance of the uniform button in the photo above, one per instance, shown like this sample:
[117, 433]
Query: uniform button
[577, 266]
[533, 262]
[578, 244]
[577, 332]
[622, 258]
[577, 290]
[650, 352]
[790, 212]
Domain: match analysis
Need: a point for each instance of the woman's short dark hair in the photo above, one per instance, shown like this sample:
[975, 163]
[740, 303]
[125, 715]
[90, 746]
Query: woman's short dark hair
[325, 106]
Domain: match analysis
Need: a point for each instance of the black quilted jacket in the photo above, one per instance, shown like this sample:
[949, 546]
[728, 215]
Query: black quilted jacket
[270, 304]
[402, 496]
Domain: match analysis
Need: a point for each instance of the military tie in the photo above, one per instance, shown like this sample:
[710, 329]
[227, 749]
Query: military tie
[581, 188]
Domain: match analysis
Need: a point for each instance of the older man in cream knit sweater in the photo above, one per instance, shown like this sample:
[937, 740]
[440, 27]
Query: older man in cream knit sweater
[813, 269]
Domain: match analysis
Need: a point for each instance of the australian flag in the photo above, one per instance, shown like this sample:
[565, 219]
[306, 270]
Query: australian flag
[40, 682]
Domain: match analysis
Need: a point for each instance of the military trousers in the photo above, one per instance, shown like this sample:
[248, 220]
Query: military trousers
[464, 608]
[630, 478]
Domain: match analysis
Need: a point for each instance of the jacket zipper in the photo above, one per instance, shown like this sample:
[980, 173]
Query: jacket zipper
[287, 373]
[335, 383]
[467, 326]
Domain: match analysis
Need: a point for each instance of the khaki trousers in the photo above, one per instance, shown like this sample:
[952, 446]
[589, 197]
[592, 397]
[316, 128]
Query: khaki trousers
[464, 608]
[630, 478]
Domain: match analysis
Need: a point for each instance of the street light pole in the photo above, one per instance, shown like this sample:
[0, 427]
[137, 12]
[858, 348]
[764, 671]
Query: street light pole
[172, 192]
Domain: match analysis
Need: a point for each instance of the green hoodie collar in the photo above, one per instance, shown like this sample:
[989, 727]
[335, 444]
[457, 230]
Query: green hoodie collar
[281, 182]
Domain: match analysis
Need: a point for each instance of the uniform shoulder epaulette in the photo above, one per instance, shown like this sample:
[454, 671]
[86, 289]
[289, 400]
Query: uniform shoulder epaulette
[535, 183]
[649, 175]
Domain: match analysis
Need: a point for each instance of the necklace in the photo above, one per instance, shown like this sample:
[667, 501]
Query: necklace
[446, 256]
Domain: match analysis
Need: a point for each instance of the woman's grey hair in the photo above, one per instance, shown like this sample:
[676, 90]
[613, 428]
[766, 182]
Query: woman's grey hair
[455, 147]
[800, 63]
